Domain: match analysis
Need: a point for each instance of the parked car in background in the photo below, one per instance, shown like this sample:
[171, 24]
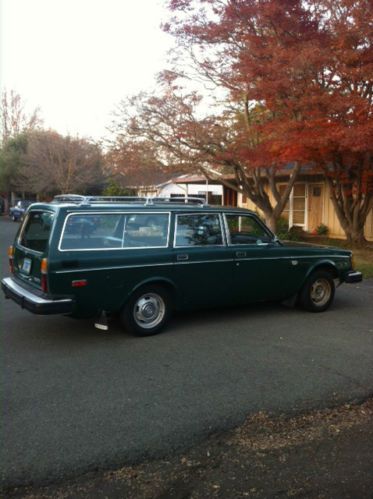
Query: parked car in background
[144, 258]
[17, 211]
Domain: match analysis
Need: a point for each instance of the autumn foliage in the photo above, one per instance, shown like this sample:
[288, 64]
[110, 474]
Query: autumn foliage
[310, 64]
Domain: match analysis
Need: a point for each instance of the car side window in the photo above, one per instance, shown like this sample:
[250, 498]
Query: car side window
[244, 229]
[198, 230]
[115, 231]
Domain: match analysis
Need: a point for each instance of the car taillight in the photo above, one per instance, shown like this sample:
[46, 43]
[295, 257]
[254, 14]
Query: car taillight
[11, 258]
[44, 271]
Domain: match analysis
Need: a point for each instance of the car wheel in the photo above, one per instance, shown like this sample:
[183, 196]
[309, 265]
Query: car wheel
[14, 218]
[147, 311]
[318, 292]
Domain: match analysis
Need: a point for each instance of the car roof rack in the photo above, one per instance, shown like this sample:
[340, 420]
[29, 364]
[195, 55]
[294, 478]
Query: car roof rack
[89, 200]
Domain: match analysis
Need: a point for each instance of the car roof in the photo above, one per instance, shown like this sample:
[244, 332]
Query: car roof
[136, 207]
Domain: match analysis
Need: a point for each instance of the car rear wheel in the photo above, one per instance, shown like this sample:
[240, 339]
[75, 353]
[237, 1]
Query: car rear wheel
[318, 292]
[147, 311]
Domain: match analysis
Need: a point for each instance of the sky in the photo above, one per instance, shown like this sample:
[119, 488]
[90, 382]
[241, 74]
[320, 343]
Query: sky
[76, 59]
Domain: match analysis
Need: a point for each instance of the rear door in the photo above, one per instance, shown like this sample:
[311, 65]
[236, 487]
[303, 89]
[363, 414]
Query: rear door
[32, 245]
[203, 263]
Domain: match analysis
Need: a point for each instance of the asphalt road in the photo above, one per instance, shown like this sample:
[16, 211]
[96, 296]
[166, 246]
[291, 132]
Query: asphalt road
[75, 399]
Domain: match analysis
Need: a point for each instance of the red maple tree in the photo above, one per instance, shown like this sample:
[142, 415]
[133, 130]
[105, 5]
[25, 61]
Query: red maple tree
[309, 64]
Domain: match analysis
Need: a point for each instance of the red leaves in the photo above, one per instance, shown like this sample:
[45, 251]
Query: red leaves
[309, 64]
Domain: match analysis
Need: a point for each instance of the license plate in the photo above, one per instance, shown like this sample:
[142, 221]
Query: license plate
[26, 266]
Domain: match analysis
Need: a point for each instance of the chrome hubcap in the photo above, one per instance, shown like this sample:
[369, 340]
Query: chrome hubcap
[320, 292]
[149, 310]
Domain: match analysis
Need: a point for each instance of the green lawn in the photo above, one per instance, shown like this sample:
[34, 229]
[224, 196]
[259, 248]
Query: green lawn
[364, 262]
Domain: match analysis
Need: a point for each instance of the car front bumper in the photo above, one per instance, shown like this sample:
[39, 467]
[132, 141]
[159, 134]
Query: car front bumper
[33, 302]
[353, 276]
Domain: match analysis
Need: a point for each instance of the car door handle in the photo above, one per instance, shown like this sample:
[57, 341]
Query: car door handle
[182, 258]
[240, 254]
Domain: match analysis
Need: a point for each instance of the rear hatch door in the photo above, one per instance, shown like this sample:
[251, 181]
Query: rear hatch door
[31, 246]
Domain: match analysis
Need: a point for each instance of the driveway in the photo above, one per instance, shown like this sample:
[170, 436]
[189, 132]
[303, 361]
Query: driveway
[75, 398]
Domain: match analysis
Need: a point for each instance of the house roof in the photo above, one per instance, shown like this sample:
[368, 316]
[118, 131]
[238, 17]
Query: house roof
[159, 179]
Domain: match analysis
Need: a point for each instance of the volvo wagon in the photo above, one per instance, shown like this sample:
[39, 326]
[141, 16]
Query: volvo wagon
[142, 259]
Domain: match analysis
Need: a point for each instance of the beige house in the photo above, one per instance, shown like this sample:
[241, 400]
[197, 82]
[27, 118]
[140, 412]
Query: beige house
[310, 205]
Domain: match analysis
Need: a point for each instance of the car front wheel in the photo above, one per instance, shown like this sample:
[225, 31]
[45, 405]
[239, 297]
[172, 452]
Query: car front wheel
[318, 292]
[147, 311]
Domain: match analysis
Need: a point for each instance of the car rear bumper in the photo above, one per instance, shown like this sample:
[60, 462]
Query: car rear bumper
[353, 276]
[33, 302]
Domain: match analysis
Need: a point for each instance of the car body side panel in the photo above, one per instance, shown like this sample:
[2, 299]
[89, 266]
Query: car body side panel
[266, 273]
[279, 272]
[111, 276]
[205, 278]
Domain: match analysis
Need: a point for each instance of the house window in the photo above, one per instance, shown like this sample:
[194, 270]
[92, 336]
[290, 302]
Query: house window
[299, 204]
[295, 209]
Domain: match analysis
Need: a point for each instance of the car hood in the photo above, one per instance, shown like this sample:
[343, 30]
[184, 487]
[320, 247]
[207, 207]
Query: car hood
[302, 244]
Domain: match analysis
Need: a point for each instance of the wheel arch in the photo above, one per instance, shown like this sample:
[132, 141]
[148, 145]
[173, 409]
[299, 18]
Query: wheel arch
[165, 283]
[328, 265]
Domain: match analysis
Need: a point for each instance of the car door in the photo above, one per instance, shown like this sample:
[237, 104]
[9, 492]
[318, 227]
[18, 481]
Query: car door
[203, 262]
[263, 268]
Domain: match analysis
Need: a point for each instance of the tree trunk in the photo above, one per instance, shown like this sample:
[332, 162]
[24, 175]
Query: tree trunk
[271, 221]
[352, 218]
[356, 238]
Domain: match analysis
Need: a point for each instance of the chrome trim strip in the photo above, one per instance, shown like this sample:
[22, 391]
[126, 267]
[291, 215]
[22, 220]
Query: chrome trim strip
[118, 267]
[294, 257]
[257, 258]
[226, 260]
[139, 266]
[222, 227]
[78, 213]
[22, 292]
[226, 228]
[206, 261]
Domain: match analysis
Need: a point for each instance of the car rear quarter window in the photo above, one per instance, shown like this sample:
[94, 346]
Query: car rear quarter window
[115, 231]
[36, 230]
[198, 230]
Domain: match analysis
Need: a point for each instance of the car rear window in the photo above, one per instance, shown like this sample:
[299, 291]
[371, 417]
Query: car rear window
[115, 231]
[36, 230]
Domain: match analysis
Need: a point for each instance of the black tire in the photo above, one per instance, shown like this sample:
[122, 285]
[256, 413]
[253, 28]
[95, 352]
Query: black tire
[147, 311]
[14, 218]
[318, 291]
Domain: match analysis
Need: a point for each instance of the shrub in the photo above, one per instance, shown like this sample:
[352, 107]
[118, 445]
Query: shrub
[114, 189]
[322, 230]
[282, 228]
[295, 233]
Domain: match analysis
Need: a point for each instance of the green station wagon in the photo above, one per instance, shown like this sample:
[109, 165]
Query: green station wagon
[143, 258]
